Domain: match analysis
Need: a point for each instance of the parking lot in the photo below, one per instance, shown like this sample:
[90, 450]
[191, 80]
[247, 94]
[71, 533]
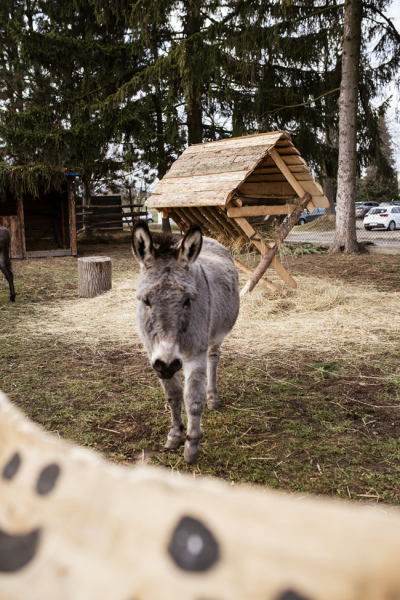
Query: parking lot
[377, 236]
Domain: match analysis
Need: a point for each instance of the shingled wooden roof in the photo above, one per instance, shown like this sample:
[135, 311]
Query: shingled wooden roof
[266, 165]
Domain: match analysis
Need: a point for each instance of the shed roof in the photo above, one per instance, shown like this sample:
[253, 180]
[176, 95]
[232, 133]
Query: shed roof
[209, 174]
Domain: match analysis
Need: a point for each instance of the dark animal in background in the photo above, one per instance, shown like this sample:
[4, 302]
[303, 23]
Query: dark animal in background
[188, 301]
[5, 262]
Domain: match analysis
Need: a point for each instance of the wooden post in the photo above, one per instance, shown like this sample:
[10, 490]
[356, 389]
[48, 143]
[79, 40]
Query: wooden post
[166, 225]
[94, 276]
[270, 254]
[72, 216]
[20, 210]
[249, 271]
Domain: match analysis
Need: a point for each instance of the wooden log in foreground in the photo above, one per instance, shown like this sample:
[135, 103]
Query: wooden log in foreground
[74, 527]
[269, 255]
[94, 276]
[249, 271]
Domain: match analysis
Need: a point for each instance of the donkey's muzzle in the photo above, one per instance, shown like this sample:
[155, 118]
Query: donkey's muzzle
[165, 371]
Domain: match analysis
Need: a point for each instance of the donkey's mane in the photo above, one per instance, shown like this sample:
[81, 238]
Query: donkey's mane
[165, 243]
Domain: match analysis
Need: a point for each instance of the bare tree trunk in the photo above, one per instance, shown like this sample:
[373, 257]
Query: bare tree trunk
[193, 87]
[328, 191]
[345, 236]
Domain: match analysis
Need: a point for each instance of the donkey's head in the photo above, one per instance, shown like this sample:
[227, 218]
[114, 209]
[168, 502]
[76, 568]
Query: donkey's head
[166, 291]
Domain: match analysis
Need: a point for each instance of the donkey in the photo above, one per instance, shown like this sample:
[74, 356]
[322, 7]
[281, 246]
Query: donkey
[188, 301]
[5, 262]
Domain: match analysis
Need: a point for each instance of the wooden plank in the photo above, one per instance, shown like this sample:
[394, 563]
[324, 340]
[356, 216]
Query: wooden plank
[12, 224]
[90, 206]
[255, 177]
[21, 218]
[183, 216]
[72, 218]
[292, 159]
[267, 189]
[213, 220]
[47, 253]
[299, 188]
[190, 199]
[199, 183]
[260, 139]
[258, 211]
[195, 211]
[263, 248]
[288, 150]
[249, 271]
[273, 169]
[178, 221]
[194, 220]
[212, 162]
[222, 219]
[270, 255]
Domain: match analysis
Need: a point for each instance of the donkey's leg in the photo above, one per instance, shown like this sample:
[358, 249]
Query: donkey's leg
[7, 274]
[174, 396]
[195, 398]
[214, 353]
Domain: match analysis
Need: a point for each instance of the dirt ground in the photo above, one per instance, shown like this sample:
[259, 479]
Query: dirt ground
[298, 416]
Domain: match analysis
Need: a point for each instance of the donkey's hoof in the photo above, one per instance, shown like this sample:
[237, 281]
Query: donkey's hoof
[173, 443]
[212, 403]
[191, 453]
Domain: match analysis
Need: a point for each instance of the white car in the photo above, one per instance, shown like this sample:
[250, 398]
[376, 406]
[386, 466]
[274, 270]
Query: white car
[148, 217]
[387, 217]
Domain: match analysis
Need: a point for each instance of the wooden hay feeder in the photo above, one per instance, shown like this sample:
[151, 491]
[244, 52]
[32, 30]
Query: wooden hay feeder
[219, 185]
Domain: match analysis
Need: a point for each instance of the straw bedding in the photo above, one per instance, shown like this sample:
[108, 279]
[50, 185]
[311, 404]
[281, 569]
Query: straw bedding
[321, 315]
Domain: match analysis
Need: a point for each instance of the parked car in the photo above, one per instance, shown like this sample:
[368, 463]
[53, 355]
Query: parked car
[306, 217]
[148, 217]
[363, 207]
[384, 217]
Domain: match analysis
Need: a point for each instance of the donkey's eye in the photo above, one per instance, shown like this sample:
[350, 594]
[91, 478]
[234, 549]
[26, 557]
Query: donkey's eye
[147, 302]
[186, 304]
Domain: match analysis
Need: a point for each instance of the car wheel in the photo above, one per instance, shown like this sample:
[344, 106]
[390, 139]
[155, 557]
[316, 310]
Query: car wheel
[367, 228]
[301, 222]
[392, 226]
[151, 221]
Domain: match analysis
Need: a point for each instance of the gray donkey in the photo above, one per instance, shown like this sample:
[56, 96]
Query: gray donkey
[188, 301]
[5, 262]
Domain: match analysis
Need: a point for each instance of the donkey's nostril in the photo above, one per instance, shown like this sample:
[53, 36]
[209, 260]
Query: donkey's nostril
[176, 365]
[167, 371]
[159, 365]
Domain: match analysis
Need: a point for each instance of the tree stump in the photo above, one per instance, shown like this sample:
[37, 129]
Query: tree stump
[94, 276]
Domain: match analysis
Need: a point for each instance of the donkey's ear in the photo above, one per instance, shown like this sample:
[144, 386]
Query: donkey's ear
[142, 244]
[190, 246]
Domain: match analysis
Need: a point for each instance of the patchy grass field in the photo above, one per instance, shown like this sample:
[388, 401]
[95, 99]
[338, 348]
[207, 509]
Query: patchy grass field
[309, 381]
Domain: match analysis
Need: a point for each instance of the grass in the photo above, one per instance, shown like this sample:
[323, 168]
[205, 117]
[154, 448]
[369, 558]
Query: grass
[300, 417]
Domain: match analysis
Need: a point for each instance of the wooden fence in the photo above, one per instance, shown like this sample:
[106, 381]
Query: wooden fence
[74, 527]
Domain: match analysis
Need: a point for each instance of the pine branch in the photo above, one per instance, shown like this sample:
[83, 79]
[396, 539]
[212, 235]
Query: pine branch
[392, 28]
[274, 112]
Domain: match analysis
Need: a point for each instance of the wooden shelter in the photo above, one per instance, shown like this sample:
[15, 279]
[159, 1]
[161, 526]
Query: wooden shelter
[219, 185]
[47, 217]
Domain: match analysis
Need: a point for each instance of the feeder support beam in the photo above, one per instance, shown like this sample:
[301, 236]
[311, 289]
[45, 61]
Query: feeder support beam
[270, 254]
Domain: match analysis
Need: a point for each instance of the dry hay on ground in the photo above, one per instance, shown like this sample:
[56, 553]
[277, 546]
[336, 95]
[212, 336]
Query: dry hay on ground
[321, 315]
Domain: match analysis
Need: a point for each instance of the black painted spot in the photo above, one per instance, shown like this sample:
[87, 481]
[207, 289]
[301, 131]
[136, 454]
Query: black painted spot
[11, 468]
[291, 595]
[47, 479]
[193, 547]
[16, 551]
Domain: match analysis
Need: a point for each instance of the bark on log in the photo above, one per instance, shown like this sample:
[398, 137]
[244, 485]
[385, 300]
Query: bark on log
[94, 276]
[269, 255]
[345, 234]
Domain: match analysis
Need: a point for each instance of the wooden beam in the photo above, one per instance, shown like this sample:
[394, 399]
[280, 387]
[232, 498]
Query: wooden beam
[72, 217]
[269, 257]
[259, 211]
[298, 188]
[214, 221]
[21, 218]
[263, 248]
[201, 217]
[249, 271]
